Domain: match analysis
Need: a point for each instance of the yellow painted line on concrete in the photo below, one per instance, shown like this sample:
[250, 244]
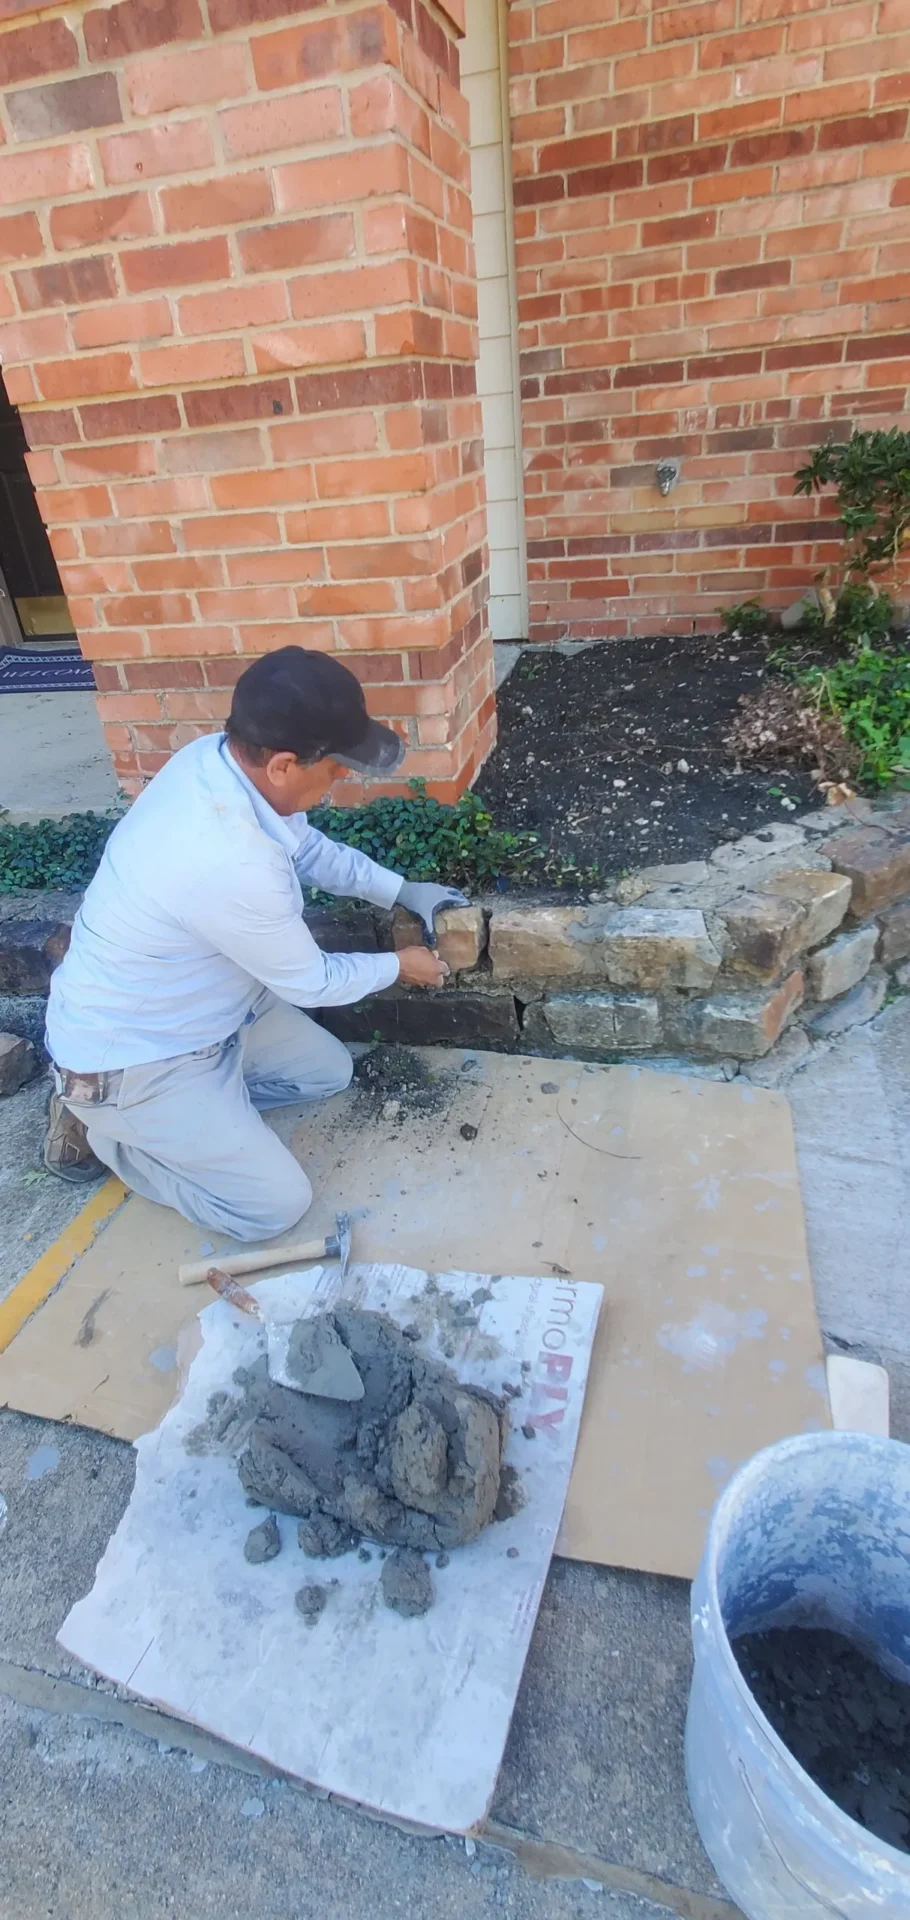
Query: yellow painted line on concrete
[33, 1289]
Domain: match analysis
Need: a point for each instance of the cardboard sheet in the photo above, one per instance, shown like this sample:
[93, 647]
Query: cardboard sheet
[406, 1716]
[680, 1196]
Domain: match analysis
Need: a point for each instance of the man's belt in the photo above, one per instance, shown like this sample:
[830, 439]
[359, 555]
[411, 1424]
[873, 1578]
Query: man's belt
[87, 1089]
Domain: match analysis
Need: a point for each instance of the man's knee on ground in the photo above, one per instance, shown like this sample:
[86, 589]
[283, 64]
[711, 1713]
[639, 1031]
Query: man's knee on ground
[282, 1203]
[340, 1068]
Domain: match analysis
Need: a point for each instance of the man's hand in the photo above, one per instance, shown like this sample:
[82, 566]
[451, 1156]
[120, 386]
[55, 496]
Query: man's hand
[418, 967]
[424, 899]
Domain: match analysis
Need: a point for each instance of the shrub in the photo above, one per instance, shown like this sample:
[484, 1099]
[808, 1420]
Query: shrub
[419, 837]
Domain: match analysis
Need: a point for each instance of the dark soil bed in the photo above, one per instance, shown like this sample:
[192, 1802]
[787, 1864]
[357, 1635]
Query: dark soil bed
[844, 1719]
[590, 746]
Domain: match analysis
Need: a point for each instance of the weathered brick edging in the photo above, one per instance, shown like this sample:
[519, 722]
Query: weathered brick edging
[790, 933]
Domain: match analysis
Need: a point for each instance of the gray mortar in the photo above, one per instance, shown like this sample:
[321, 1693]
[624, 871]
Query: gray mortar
[323, 1538]
[449, 1316]
[310, 1601]
[511, 1496]
[416, 1463]
[318, 1361]
[406, 1584]
[262, 1542]
[229, 1417]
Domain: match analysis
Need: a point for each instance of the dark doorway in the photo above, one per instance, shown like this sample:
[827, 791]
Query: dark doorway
[33, 608]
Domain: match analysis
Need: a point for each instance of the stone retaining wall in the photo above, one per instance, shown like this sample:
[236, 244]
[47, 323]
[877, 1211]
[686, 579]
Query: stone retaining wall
[790, 934]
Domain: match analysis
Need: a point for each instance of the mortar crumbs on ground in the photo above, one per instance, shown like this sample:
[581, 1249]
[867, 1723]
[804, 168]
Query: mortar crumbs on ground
[397, 1080]
[448, 1316]
[616, 755]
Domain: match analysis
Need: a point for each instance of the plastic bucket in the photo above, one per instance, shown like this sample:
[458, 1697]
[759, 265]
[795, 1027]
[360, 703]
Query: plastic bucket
[815, 1530]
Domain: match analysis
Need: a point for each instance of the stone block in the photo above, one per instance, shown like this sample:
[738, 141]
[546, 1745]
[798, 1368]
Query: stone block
[763, 933]
[862, 1003]
[902, 976]
[17, 1063]
[895, 925]
[877, 863]
[778, 837]
[29, 951]
[535, 943]
[723, 886]
[744, 1025]
[686, 873]
[24, 1014]
[836, 968]
[792, 1049]
[649, 948]
[461, 935]
[594, 1022]
[825, 897]
[450, 1019]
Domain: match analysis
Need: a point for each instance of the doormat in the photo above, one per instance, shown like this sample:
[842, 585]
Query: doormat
[22, 671]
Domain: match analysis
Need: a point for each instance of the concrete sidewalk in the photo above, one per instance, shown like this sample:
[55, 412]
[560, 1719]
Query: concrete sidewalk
[110, 1812]
[53, 756]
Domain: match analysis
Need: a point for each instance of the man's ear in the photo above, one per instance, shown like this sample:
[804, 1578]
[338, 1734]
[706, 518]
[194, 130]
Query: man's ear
[278, 767]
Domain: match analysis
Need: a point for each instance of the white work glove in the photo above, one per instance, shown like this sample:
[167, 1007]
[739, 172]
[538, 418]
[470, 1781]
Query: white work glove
[422, 898]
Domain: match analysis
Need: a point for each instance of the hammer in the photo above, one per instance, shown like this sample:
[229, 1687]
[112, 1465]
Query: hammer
[336, 1246]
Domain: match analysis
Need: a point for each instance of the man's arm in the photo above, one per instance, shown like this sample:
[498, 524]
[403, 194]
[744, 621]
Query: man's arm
[251, 915]
[335, 868]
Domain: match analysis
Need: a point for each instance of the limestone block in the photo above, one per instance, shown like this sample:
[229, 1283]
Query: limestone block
[745, 1025]
[535, 943]
[778, 837]
[877, 863]
[598, 1022]
[763, 934]
[17, 1063]
[836, 968]
[895, 925]
[649, 948]
[854, 1008]
[791, 1051]
[825, 897]
[460, 935]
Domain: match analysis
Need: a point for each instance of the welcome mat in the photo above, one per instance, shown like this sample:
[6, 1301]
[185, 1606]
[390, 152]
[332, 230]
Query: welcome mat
[22, 671]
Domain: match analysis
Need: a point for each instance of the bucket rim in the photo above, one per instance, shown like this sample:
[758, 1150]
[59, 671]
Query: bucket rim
[821, 1808]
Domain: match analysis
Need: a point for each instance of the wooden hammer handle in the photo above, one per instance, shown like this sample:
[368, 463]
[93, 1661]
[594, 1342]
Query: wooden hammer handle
[194, 1272]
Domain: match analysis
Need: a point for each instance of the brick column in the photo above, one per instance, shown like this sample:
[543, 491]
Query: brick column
[238, 313]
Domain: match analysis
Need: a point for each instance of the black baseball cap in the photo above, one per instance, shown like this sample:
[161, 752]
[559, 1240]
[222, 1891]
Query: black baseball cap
[308, 704]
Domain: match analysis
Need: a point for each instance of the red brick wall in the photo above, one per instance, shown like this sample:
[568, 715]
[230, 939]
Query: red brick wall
[237, 310]
[713, 243]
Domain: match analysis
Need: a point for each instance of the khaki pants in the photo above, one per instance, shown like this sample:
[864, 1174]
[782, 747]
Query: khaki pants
[186, 1131]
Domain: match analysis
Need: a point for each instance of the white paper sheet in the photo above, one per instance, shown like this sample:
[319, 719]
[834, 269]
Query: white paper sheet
[406, 1716]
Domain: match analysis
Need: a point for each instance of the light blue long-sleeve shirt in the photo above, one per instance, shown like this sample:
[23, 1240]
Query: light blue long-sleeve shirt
[197, 906]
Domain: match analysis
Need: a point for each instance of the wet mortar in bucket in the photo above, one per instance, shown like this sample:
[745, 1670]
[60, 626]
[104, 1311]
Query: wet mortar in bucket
[842, 1717]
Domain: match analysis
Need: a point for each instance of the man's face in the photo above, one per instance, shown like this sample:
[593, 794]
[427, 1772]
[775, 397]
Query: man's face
[292, 787]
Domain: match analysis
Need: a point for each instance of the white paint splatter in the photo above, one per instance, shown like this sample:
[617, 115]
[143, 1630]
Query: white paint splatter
[42, 1461]
[711, 1335]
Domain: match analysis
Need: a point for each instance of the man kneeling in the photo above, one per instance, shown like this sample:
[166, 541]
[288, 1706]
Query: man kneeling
[176, 1016]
